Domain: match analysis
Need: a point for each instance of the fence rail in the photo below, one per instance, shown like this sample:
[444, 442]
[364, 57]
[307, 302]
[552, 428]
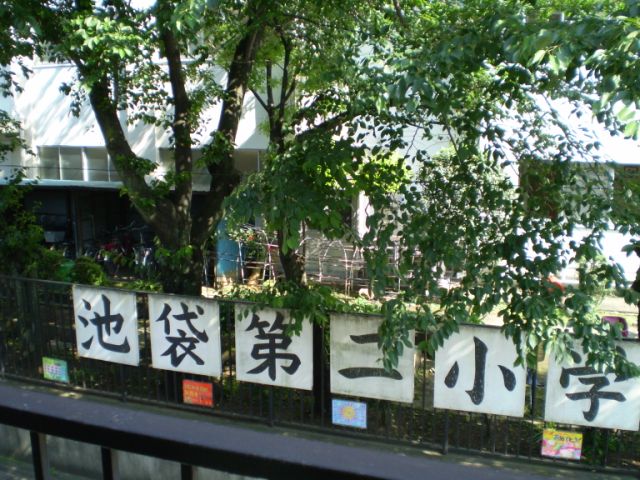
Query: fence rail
[192, 443]
[37, 320]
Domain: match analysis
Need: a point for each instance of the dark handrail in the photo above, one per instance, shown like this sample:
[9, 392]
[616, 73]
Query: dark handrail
[221, 447]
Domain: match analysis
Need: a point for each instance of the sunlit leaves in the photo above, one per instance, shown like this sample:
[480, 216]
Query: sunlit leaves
[486, 75]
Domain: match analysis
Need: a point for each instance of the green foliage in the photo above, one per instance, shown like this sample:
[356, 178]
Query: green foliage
[145, 285]
[314, 164]
[87, 271]
[116, 49]
[588, 50]
[376, 84]
[626, 213]
[314, 302]
[253, 241]
[10, 134]
[175, 269]
[502, 207]
[22, 250]
[598, 445]
[53, 265]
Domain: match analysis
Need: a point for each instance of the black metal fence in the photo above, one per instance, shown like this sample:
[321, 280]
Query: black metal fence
[37, 320]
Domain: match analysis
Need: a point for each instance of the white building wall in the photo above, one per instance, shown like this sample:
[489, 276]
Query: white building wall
[46, 118]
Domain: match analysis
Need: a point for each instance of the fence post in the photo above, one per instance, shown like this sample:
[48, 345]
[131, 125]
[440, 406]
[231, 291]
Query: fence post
[39, 456]
[605, 452]
[186, 472]
[534, 387]
[445, 440]
[3, 350]
[110, 469]
[271, 415]
[123, 384]
[321, 389]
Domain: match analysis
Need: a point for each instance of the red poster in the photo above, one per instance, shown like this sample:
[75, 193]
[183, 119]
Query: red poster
[197, 393]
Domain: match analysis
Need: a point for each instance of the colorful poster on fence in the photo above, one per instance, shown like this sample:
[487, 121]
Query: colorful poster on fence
[475, 372]
[55, 369]
[185, 334]
[267, 352]
[106, 324]
[356, 361]
[579, 395]
[197, 393]
[558, 444]
[349, 413]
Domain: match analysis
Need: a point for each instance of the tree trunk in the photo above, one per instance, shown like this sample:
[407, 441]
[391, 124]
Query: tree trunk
[292, 263]
[181, 235]
[635, 286]
[182, 273]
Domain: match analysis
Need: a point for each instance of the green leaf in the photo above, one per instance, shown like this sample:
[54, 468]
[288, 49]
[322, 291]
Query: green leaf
[292, 243]
[632, 129]
[626, 113]
[538, 57]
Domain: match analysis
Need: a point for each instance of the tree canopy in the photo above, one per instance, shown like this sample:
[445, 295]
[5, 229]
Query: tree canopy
[508, 83]
[115, 48]
[355, 94]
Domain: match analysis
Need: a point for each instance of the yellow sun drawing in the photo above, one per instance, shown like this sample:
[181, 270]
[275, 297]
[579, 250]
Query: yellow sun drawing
[348, 412]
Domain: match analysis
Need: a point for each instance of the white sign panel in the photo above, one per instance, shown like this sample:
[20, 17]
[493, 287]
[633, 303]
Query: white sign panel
[185, 334]
[266, 354]
[578, 395]
[106, 324]
[475, 373]
[356, 361]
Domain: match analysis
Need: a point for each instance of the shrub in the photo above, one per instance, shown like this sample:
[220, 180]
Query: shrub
[87, 271]
[22, 250]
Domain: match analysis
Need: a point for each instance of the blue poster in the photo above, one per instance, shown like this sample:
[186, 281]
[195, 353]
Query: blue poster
[349, 413]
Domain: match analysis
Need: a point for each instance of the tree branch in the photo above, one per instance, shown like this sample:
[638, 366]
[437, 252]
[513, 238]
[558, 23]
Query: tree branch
[400, 14]
[269, 78]
[181, 127]
[154, 210]
[224, 177]
[259, 99]
[300, 114]
[285, 75]
[326, 125]
[292, 88]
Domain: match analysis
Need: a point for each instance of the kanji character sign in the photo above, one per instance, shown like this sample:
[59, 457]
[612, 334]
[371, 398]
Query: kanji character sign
[106, 324]
[266, 354]
[356, 361]
[185, 334]
[475, 372]
[579, 395]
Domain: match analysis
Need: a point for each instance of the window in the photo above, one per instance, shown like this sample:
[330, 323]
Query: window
[245, 161]
[71, 163]
[49, 164]
[75, 163]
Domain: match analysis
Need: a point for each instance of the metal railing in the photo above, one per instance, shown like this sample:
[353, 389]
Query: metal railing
[193, 443]
[37, 320]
